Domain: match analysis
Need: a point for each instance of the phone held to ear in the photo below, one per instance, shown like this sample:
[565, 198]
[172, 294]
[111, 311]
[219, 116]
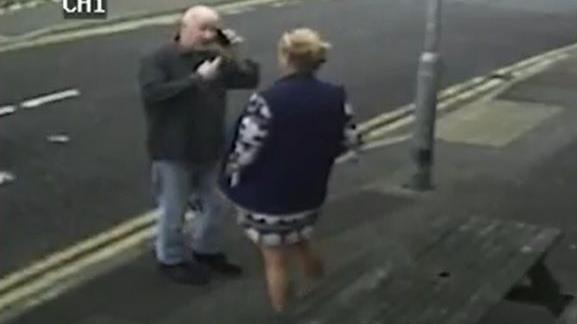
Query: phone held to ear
[222, 39]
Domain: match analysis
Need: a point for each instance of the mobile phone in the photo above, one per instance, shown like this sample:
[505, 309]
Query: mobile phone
[221, 38]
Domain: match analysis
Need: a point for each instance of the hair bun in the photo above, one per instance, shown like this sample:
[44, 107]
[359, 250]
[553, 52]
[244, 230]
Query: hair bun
[304, 46]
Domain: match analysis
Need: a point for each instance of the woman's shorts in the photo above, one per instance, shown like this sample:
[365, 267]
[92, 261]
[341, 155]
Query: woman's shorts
[277, 230]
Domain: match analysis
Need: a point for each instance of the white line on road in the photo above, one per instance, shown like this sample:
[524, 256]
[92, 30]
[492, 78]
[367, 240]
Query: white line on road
[236, 11]
[382, 131]
[39, 101]
[15, 7]
[386, 117]
[387, 142]
[6, 177]
[286, 3]
[32, 4]
[7, 110]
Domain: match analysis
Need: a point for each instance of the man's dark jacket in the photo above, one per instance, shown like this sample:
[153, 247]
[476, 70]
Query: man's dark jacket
[185, 114]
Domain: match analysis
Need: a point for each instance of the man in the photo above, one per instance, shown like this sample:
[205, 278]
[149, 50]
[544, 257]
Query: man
[183, 86]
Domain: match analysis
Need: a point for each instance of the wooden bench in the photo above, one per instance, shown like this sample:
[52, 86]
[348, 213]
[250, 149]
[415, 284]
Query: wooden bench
[458, 269]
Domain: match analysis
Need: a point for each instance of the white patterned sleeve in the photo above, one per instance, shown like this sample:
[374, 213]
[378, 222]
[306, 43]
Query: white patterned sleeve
[352, 139]
[252, 131]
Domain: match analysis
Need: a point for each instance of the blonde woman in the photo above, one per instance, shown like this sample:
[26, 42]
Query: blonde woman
[278, 168]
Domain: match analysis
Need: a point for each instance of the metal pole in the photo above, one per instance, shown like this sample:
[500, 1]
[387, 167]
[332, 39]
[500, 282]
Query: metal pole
[426, 102]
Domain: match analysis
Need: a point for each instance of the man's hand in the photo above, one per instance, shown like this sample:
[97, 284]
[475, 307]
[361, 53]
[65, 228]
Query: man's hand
[208, 70]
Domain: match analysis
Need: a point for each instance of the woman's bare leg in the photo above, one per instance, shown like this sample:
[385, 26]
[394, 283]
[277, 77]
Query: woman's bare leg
[309, 261]
[276, 269]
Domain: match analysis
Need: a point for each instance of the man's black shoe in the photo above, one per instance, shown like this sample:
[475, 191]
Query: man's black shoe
[217, 262]
[185, 273]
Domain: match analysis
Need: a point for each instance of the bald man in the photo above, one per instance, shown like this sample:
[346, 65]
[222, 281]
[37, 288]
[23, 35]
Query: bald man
[183, 86]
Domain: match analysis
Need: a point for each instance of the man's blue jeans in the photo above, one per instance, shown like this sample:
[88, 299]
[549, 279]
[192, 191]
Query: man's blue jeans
[176, 186]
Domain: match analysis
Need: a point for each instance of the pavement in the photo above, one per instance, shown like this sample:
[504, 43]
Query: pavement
[510, 155]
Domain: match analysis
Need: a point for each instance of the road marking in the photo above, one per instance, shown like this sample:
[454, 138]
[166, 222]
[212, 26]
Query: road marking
[379, 143]
[286, 3]
[391, 121]
[387, 142]
[22, 5]
[53, 261]
[31, 4]
[236, 10]
[380, 132]
[7, 110]
[442, 106]
[58, 96]
[6, 177]
[15, 7]
[386, 118]
[472, 88]
[54, 283]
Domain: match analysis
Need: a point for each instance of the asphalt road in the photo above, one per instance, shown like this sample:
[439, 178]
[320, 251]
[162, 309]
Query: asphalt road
[67, 192]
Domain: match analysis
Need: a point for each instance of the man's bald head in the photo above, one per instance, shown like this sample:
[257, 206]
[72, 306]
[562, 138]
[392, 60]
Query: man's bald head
[198, 27]
[199, 13]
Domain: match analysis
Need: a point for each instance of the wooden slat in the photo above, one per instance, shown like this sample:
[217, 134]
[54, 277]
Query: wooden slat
[335, 312]
[315, 307]
[495, 251]
[503, 280]
[408, 278]
[446, 257]
[452, 297]
[455, 262]
[484, 257]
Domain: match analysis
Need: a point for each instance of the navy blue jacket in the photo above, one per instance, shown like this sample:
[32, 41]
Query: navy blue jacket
[285, 147]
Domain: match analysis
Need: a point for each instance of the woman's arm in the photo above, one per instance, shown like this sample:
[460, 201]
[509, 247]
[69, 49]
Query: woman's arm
[252, 132]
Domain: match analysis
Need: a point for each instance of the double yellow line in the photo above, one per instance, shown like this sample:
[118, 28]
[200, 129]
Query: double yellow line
[59, 272]
[467, 91]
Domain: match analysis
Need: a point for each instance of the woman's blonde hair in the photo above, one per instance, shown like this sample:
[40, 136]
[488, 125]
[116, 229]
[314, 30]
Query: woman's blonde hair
[304, 49]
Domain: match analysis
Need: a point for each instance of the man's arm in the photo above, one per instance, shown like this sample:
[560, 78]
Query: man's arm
[237, 73]
[155, 85]
[241, 74]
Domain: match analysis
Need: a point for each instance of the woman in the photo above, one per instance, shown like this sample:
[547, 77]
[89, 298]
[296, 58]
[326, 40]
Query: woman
[277, 171]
